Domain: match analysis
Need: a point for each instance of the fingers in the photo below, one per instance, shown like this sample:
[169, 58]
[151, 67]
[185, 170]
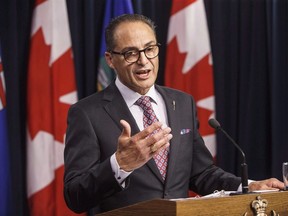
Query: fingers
[268, 184]
[146, 132]
[134, 151]
[160, 140]
[149, 130]
[275, 183]
[126, 132]
[156, 134]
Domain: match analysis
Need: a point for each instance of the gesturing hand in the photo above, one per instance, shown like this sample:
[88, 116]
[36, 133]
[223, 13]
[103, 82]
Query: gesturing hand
[133, 152]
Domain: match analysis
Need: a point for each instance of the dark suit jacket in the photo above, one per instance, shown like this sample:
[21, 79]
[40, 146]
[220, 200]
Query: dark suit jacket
[91, 139]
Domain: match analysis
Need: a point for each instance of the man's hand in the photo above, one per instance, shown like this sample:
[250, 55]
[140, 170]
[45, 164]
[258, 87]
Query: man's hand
[133, 152]
[267, 184]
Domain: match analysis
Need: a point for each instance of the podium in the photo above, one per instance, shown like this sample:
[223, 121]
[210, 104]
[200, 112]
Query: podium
[270, 203]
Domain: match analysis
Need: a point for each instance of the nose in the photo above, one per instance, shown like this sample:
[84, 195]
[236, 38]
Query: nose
[143, 60]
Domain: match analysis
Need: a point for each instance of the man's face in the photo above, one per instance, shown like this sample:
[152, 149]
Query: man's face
[140, 75]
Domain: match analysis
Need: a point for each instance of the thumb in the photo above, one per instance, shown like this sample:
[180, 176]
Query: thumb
[126, 132]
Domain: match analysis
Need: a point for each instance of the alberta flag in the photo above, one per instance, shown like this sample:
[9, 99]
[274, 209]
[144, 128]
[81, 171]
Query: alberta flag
[51, 89]
[113, 9]
[189, 61]
[4, 151]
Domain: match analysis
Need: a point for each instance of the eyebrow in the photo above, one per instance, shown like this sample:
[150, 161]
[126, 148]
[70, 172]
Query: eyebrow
[132, 47]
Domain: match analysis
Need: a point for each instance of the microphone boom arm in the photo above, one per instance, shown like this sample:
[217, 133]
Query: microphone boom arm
[244, 167]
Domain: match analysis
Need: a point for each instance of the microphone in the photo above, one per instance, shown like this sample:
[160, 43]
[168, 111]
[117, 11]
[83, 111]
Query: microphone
[244, 167]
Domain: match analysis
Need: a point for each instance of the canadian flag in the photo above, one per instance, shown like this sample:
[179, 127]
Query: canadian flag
[51, 89]
[189, 62]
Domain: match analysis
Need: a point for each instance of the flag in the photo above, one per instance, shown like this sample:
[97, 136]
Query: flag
[113, 8]
[51, 89]
[189, 62]
[4, 150]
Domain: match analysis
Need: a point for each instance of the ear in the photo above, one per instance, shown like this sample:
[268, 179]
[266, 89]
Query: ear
[108, 58]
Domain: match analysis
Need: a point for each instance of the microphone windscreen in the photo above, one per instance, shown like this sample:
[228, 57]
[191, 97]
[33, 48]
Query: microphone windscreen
[214, 123]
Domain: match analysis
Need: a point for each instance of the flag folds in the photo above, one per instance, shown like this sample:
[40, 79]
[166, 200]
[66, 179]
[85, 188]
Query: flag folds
[189, 63]
[51, 89]
[113, 8]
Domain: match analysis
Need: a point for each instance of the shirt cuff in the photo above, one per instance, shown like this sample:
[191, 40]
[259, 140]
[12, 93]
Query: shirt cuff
[240, 186]
[119, 174]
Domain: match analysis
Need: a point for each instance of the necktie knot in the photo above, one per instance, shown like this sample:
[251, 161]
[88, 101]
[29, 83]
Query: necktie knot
[144, 102]
[149, 114]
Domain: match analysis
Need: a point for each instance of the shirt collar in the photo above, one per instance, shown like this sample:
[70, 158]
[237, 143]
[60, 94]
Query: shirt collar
[131, 96]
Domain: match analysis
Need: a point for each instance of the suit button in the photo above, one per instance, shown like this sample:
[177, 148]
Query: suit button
[165, 195]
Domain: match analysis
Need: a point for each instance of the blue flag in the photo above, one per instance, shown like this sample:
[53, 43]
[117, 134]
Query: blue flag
[113, 9]
[4, 152]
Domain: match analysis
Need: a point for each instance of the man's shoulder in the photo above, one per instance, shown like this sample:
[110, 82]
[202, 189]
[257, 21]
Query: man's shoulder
[91, 98]
[88, 103]
[96, 99]
[172, 91]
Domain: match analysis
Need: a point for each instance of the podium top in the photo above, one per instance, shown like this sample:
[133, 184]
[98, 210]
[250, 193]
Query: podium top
[227, 205]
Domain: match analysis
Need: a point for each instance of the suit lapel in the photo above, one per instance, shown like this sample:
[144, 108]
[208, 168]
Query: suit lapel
[117, 108]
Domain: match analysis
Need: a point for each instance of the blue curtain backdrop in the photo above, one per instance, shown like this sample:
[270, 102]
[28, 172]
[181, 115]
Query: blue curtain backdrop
[250, 53]
[278, 58]
[15, 22]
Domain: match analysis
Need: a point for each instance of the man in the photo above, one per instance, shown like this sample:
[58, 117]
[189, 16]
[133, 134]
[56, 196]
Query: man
[112, 151]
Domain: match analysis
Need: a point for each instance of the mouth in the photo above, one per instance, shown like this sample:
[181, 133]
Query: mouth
[143, 74]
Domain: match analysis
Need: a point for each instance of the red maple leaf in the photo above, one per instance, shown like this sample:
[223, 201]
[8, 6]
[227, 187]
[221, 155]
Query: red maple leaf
[45, 113]
[198, 81]
[46, 84]
[180, 4]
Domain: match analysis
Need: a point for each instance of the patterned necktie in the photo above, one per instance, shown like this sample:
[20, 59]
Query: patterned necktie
[149, 118]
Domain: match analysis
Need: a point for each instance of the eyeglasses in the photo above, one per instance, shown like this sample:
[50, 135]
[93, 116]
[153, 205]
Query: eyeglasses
[133, 55]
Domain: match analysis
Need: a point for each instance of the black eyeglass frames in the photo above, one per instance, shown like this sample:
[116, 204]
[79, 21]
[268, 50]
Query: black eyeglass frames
[133, 55]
